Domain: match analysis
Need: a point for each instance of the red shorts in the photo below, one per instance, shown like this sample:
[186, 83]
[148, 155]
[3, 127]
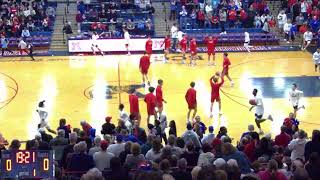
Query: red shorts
[159, 104]
[149, 51]
[225, 71]
[183, 50]
[211, 53]
[193, 53]
[215, 98]
[144, 71]
[192, 106]
[151, 111]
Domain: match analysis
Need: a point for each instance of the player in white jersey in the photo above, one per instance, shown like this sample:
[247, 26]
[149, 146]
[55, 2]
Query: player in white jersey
[259, 110]
[307, 38]
[43, 114]
[316, 59]
[94, 45]
[247, 41]
[127, 39]
[295, 96]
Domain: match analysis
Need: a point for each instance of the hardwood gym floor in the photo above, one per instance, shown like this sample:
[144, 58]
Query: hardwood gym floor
[86, 88]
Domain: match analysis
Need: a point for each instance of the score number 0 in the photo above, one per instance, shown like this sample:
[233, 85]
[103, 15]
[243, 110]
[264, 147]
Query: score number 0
[23, 158]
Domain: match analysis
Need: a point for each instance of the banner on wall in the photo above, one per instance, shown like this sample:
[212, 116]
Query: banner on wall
[113, 45]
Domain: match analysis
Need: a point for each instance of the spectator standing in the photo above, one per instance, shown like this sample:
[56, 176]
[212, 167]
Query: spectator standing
[67, 29]
[4, 45]
[230, 152]
[172, 128]
[282, 19]
[191, 136]
[25, 33]
[297, 146]
[299, 20]
[303, 8]
[232, 15]
[108, 127]
[283, 139]
[86, 128]
[201, 18]
[63, 126]
[173, 10]
[209, 137]
[183, 17]
[79, 19]
[139, 132]
[223, 20]
[286, 29]
[313, 145]
[296, 7]
[174, 36]
[102, 158]
[257, 21]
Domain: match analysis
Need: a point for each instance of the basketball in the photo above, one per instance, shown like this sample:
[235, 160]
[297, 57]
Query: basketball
[252, 102]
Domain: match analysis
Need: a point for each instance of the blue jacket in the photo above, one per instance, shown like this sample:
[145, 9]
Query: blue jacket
[242, 160]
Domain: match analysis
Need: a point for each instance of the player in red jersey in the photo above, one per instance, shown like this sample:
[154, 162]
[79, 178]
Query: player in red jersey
[211, 44]
[134, 104]
[191, 98]
[151, 101]
[159, 97]
[193, 51]
[144, 65]
[226, 64]
[167, 45]
[149, 46]
[215, 92]
[183, 46]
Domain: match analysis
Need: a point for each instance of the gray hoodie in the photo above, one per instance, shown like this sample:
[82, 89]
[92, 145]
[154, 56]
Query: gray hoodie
[297, 148]
[190, 135]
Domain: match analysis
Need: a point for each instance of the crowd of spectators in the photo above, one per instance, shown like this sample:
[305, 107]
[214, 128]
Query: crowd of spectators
[223, 14]
[127, 151]
[110, 17]
[299, 16]
[21, 18]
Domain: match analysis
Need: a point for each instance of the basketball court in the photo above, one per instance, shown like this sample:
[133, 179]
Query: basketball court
[91, 87]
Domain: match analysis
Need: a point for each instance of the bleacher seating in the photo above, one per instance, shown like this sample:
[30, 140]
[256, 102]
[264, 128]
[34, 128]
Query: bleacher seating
[112, 17]
[39, 22]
